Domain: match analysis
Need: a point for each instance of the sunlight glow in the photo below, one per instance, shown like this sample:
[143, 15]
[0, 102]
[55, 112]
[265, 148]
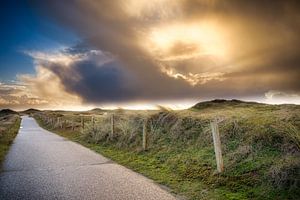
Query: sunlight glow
[151, 9]
[172, 105]
[195, 40]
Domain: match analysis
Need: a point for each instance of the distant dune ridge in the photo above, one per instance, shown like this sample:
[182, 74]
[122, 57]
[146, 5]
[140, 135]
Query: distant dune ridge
[30, 111]
[4, 112]
[216, 103]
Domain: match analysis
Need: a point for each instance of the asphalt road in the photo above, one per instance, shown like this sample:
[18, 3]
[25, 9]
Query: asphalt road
[42, 165]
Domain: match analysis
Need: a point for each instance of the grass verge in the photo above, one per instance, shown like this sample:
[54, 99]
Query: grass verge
[9, 128]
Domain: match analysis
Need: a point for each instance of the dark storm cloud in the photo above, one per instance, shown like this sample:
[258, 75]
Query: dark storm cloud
[264, 38]
[104, 83]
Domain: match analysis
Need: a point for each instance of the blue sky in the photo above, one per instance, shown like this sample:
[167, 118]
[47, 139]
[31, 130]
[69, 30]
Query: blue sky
[25, 29]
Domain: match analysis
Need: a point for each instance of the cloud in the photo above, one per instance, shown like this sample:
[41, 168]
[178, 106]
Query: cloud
[279, 97]
[141, 50]
[16, 95]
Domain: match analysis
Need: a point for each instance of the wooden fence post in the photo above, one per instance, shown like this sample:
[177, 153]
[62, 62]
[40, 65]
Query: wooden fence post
[61, 124]
[82, 123]
[58, 121]
[112, 120]
[72, 125]
[93, 122]
[145, 135]
[217, 145]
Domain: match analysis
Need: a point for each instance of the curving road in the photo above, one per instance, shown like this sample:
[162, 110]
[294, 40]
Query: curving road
[42, 165]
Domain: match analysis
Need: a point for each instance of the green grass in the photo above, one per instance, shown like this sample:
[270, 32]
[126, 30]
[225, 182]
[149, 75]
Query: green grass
[260, 146]
[9, 128]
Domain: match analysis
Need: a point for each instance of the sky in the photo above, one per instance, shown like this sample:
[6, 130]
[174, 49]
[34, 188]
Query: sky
[138, 54]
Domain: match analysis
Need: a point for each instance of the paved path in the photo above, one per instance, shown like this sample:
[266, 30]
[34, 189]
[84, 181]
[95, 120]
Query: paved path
[42, 165]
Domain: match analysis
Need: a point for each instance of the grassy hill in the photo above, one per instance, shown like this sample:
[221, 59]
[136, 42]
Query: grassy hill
[260, 144]
[30, 111]
[6, 112]
[222, 103]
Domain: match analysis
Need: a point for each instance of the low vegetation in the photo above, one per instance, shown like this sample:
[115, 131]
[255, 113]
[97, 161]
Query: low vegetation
[9, 126]
[260, 144]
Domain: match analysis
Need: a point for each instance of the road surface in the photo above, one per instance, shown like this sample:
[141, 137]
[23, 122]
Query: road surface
[42, 165]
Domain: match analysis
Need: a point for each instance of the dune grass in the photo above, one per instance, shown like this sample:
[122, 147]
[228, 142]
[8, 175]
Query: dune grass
[260, 146]
[9, 126]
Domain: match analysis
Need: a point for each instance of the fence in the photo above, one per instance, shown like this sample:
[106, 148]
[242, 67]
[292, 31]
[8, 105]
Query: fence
[82, 122]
